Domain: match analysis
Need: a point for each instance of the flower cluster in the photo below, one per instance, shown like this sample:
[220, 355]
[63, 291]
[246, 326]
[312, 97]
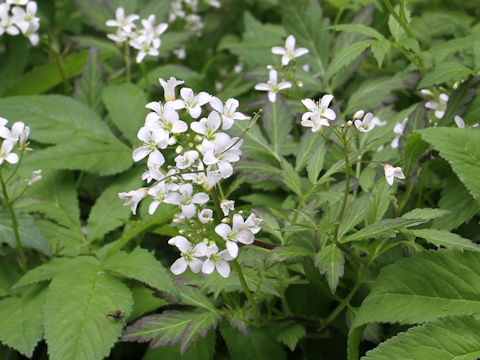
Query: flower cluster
[319, 114]
[188, 11]
[436, 103]
[197, 154]
[146, 39]
[20, 19]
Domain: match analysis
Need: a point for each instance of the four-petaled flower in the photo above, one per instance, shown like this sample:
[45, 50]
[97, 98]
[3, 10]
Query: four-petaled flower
[185, 199]
[169, 87]
[237, 233]
[216, 260]
[368, 122]
[393, 172]
[289, 52]
[193, 103]
[228, 111]
[133, 198]
[319, 115]
[6, 153]
[272, 86]
[189, 255]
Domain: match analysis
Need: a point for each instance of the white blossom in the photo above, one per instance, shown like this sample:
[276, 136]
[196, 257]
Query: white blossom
[398, 130]
[187, 159]
[36, 176]
[185, 199]
[169, 87]
[189, 255]
[126, 24]
[146, 45]
[149, 27]
[205, 216]
[252, 223]
[227, 206]
[18, 133]
[25, 19]
[216, 260]
[368, 122]
[228, 111]
[237, 233]
[289, 52]
[6, 153]
[165, 119]
[272, 86]
[193, 103]
[207, 127]
[7, 24]
[439, 106]
[319, 113]
[152, 141]
[222, 151]
[159, 192]
[133, 198]
[393, 172]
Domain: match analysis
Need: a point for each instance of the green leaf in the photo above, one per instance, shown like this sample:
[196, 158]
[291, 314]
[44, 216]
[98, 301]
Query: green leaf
[446, 239]
[144, 301]
[291, 178]
[346, 56]
[277, 123]
[443, 72]
[108, 213]
[357, 208]
[385, 227]
[13, 60]
[291, 251]
[63, 241]
[330, 261]
[447, 338]
[171, 327]
[308, 144]
[379, 49]
[396, 29]
[315, 163]
[173, 39]
[414, 149]
[126, 106]
[460, 148]
[22, 320]
[192, 78]
[309, 27]
[257, 346]
[88, 88]
[458, 99]
[141, 265]
[358, 29]
[78, 302]
[425, 214]
[423, 287]
[290, 334]
[30, 236]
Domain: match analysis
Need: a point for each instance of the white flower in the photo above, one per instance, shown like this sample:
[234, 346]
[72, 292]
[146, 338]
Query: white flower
[368, 122]
[193, 103]
[237, 233]
[213, 3]
[228, 111]
[36, 176]
[133, 198]
[216, 260]
[222, 151]
[205, 216]
[187, 159]
[159, 192]
[147, 45]
[207, 126]
[154, 162]
[459, 122]
[194, 24]
[17, 2]
[227, 206]
[169, 87]
[398, 129]
[180, 53]
[252, 223]
[189, 255]
[19, 130]
[393, 172]
[6, 154]
[272, 86]
[150, 28]
[289, 52]
[152, 140]
[319, 115]
[439, 106]
[185, 199]
[124, 23]
[6, 21]
[164, 118]
[23, 18]
[176, 10]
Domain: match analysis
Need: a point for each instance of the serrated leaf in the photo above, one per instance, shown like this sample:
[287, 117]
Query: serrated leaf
[22, 320]
[108, 213]
[126, 106]
[385, 227]
[277, 123]
[346, 56]
[357, 208]
[62, 240]
[423, 287]
[88, 88]
[290, 177]
[141, 265]
[78, 302]
[358, 29]
[290, 334]
[396, 29]
[144, 301]
[291, 251]
[425, 214]
[330, 261]
[171, 327]
[444, 72]
[257, 346]
[315, 163]
[379, 49]
[458, 99]
[309, 142]
[446, 239]
[460, 148]
[447, 338]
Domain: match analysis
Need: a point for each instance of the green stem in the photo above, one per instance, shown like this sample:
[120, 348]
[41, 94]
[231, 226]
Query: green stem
[246, 290]
[397, 17]
[22, 258]
[127, 61]
[16, 168]
[347, 187]
[145, 77]
[61, 70]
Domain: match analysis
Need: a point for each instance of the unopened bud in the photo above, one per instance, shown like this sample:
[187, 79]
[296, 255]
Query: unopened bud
[349, 123]
[226, 220]
[182, 231]
[172, 141]
[179, 149]
[269, 67]
[300, 83]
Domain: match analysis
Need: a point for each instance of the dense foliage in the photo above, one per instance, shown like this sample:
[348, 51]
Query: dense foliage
[301, 179]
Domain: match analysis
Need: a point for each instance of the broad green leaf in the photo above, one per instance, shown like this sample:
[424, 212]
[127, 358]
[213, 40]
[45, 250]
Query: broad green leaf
[97, 12]
[458, 98]
[346, 56]
[13, 60]
[385, 227]
[22, 320]
[447, 338]
[291, 178]
[396, 29]
[423, 287]
[102, 157]
[446, 239]
[356, 212]
[108, 213]
[173, 39]
[460, 148]
[62, 240]
[444, 49]
[192, 295]
[192, 78]
[290, 334]
[425, 213]
[379, 49]
[259, 345]
[75, 314]
[126, 106]
[203, 348]
[141, 265]
[315, 163]
[309, 27]
[144, 301]
[9, 275]
[330, 261]
[291, 251]
[171, 327]
[358, 29]
[88, 88]
[308, 144]
[30, 236]
[414, 149]
[277, 123]
[444, 72]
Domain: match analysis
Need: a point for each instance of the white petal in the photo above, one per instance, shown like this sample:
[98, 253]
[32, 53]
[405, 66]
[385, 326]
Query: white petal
[431, 105]
[284, 85]
[309, 104]
[290, 42]
[300, 52]
[263, 87]
[179, 266]
[326, 99]
[459, 121]
[245, 237]
[330, 114]
[223, 268]
[173, 198]
[200, 198]
[278, 50]
[285, 60]
[216, 104]
[232, 248]
[223, 230]
[188, 210]
[203, 98]
[195, 112]
[272, 96]
[439, 114]
[195, 265]
[12, 158]
[141, 152]
[153, 206]
[208, 266]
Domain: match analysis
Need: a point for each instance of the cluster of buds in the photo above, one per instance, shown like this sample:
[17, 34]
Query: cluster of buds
[20, 19]
[201, 155]
[188, 11]
[146, 39]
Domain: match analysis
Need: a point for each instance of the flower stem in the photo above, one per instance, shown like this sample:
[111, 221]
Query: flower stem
[347, 186]
[246, 290]
[22, 258]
